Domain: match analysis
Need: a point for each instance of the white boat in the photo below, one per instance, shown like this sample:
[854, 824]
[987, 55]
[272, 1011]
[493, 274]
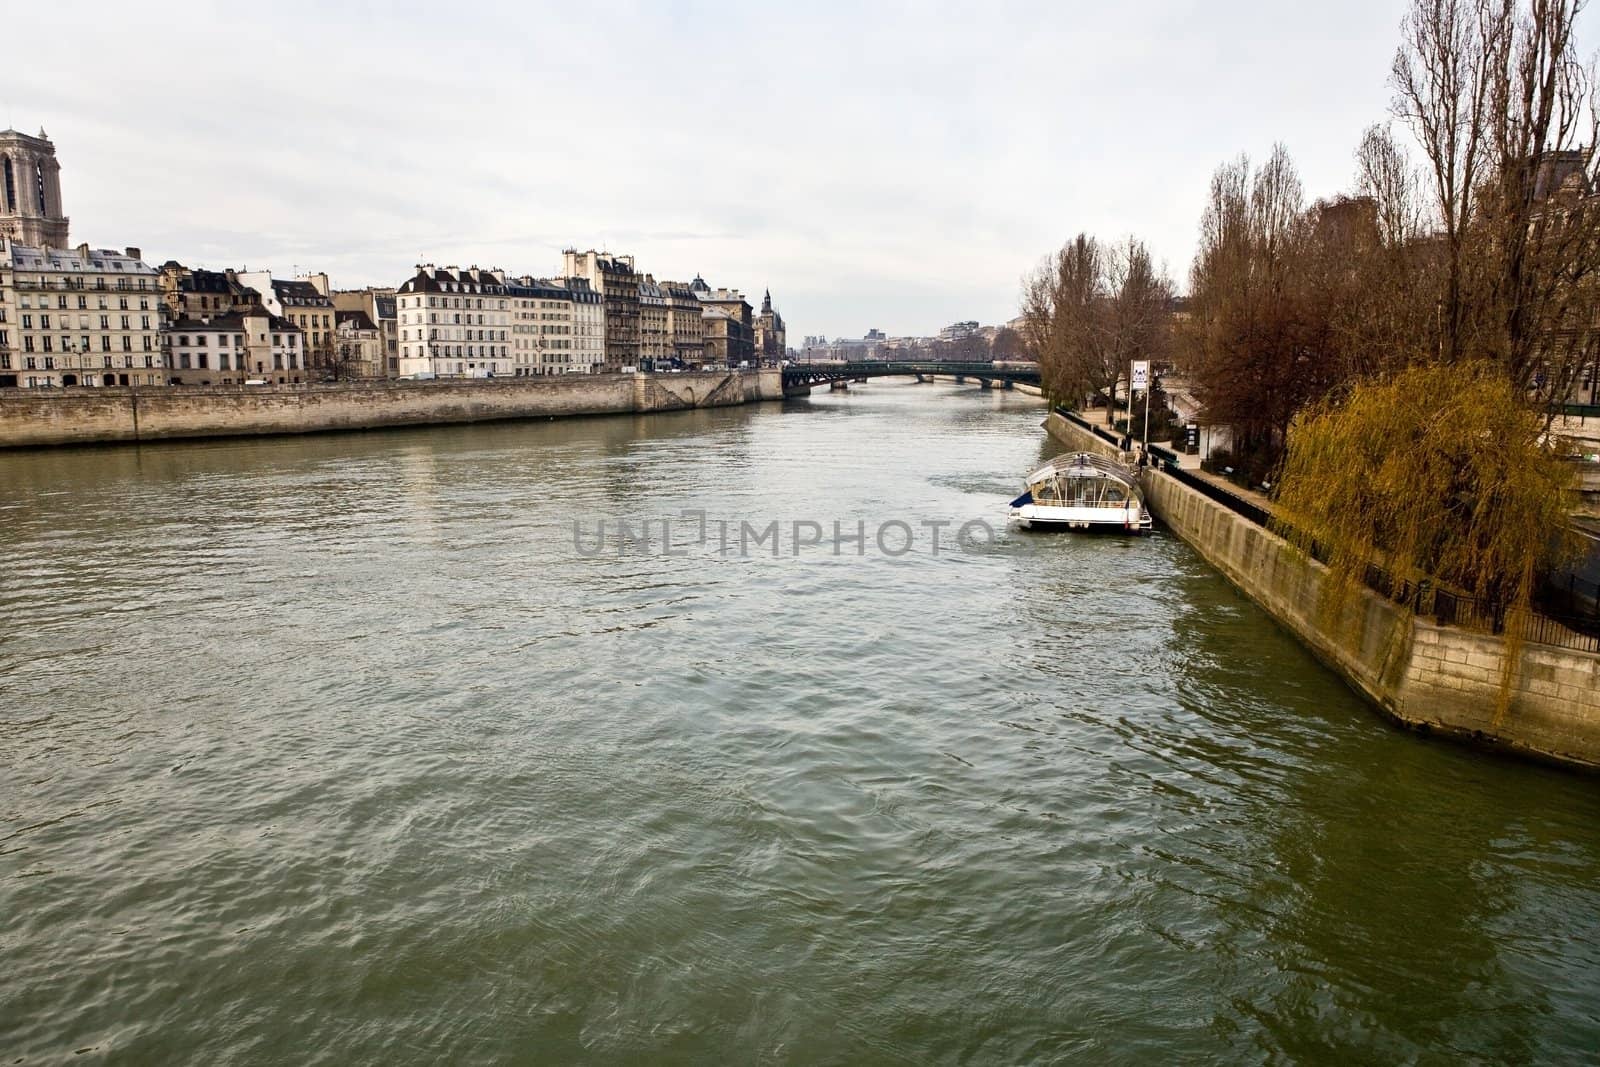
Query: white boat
[1082, 491]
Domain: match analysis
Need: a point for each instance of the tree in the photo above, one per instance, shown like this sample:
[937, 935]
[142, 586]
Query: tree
[1087, 310]
[1504, 113]
[1442, 471]
[1007, 345]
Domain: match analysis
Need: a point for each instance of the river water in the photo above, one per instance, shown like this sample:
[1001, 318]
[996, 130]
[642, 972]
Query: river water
[344, 749]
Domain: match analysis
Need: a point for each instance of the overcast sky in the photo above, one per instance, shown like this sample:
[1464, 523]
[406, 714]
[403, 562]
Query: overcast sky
[896, 166]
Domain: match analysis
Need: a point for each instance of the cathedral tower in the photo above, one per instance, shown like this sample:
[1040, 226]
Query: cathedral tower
[30, 191]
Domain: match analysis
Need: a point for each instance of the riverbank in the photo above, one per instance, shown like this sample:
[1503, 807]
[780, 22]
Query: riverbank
[40, 418]
[1422, 675]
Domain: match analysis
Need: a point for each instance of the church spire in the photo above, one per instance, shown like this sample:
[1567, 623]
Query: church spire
[766, 303]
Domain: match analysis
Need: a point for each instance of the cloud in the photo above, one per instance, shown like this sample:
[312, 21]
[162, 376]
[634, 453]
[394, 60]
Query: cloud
[889, 165]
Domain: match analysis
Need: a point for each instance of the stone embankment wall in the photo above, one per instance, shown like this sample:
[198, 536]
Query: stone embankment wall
[1426, 676]
[30, 418]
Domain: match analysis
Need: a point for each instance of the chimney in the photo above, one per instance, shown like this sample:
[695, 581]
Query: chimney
[83, 250]
[133, 253]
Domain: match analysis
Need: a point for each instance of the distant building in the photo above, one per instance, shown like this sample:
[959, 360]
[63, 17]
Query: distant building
[655, 342]
[358, 345]
[542, 339]
[233, 347]
[78, 317]
[729, 323]
[455, 323]
[379, 305]
[187, 292]
[30, 191]
[588, 325]
[958, 331]
[686, 324]
[305, 302]
[614, 278]
[770, 333]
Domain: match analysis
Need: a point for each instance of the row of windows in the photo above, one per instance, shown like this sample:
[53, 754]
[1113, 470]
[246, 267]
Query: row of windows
[46, 343]
[234, 362]
[285, 340]
[82, 303]
[441, 351]
[456, 335]
[68, 362]
[83, 322]
[453, 302]
[40, 282]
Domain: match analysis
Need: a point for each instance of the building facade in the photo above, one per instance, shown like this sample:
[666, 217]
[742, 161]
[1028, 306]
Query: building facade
[686, 326]
[304, 301]
[771, 338]
[614, 278]
[454, 323]
[655, 342]
[30, 191]
[358, 346]
[588, 325]
[191, 293]
[235, 347]
[379, 305]
[729, 323]
[81, 317]
[542, 339]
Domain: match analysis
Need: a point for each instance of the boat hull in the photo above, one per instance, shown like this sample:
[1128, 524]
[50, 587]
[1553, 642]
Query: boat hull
[1088, 520]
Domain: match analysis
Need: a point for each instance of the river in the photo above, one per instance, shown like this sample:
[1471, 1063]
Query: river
[346, 749]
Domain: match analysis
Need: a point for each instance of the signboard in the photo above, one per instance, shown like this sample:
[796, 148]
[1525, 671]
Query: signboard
[1141, 375]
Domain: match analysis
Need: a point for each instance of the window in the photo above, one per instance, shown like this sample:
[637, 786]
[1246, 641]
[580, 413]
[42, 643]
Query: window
[30, 363]
[61, 301]
[148, 344]
[105, 322]
[127, 344]
[47, 347]
[44, 322]
[83, 343]
[105, 343]
[27, 322]
[5, 362]
[49, 361]
[149, 361]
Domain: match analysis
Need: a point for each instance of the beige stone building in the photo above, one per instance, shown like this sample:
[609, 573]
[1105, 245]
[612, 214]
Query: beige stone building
[615, 279]
[454, 323]
[686, 326]
[30, 191]
[655, 342]
[588, 325]
[358, 346]
[379, 305]
[186, 292]
[305, 302]
[729, 322]
[542, 340]
[235, 347]
[79, 317]
[770, 336]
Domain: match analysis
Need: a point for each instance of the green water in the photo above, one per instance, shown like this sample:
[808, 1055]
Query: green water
[340, 750]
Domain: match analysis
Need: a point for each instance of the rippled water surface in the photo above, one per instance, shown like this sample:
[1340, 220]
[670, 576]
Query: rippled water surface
[337, 750]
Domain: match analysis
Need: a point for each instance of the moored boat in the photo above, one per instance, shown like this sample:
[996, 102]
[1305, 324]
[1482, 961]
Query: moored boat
[1082, 491]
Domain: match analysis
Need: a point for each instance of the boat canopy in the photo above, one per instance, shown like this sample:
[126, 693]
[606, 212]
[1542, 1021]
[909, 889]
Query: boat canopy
[1083, 465]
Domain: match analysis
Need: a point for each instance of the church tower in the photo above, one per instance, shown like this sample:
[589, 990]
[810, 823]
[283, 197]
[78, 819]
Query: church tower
[30, 191]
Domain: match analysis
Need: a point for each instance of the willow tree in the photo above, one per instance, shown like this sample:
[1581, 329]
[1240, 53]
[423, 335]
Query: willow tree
[1441, 472]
